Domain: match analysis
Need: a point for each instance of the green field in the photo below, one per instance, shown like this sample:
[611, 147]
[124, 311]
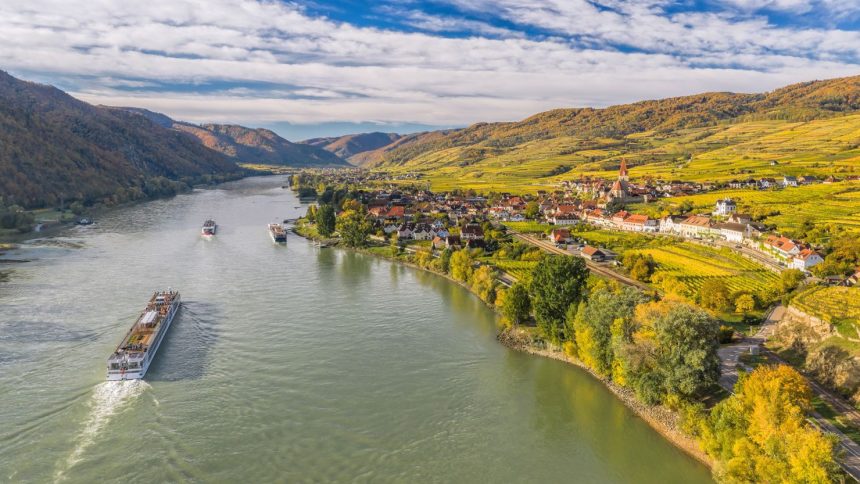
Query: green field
[693, 264]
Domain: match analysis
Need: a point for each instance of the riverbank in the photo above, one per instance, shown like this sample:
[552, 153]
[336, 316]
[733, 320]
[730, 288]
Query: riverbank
[662, 419]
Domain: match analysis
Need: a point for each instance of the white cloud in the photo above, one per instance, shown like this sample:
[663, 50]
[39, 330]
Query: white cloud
[317, 70]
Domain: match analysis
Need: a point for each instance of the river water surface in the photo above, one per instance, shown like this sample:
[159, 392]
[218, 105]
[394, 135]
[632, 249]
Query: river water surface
[285, 364]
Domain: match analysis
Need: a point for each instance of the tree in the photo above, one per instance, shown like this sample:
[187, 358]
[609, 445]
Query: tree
[423, 258]
[353, 225]
[744, 303]
[532, 210]
[326, 220]
[714, 295]
[311, 215]
[557, 282]
[443, 263]
[687, 340]
[593, 325]
[461, 265]
[760, 432]
[790, 279]
[483, 282]
[517, 306]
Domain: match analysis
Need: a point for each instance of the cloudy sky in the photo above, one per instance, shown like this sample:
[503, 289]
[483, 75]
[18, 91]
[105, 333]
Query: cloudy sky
[323, 67]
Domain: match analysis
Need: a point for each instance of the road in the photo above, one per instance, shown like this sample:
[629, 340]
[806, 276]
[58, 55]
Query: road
[592, 266]
[730, 361]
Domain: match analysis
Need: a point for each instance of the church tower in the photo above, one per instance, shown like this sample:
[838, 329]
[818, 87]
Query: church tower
[622, 172]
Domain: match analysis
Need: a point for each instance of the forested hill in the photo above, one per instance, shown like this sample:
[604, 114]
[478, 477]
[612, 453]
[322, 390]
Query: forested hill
[247, 145]
[352, 145]
[485, 141]
[54, 147]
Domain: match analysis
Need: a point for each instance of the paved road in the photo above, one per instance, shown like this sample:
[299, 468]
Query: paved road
[592, 266]
[729, 362]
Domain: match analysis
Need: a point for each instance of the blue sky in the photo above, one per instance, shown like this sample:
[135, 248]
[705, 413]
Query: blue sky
[320, 68]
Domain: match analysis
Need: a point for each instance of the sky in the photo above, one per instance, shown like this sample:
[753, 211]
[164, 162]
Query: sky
[324, 68]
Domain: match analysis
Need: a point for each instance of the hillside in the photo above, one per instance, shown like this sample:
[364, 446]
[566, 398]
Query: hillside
[53, 147]
[259, 146]
[810, 128]
[350, 146]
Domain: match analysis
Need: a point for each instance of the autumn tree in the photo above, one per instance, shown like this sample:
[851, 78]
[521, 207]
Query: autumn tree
[714, 295]
[593, 325]
[483, 282]
[557, 282]
[760, 433]
[461, 265]
[744, 303]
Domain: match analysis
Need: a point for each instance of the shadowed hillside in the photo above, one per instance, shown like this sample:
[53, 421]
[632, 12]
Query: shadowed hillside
[54, 147]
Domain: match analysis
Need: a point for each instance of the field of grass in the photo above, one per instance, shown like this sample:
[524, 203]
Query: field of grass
[529, 227]
[693, 264]
[839, 306]
[825, 203]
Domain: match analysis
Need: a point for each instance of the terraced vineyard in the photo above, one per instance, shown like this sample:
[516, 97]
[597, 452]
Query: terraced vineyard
[693, 264]
[839, 306]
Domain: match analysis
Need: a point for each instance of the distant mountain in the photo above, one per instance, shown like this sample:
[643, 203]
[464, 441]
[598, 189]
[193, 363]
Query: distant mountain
[261, 146]
[349, 146]
[249, 145]
[54, 147]
[587, 140]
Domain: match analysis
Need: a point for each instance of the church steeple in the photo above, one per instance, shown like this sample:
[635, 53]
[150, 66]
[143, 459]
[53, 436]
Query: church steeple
[622, 172]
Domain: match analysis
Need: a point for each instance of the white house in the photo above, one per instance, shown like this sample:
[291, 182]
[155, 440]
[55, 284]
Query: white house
[733, 232]
[789, 181]
[422, 232]
[806, 259]
[725, 207]
[696, 226]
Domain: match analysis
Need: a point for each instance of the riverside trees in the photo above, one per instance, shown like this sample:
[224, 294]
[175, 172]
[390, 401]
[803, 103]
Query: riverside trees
[557, 283]
[326, 220]
[353, 225]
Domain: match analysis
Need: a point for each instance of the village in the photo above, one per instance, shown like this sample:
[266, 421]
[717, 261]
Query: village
[457, 219]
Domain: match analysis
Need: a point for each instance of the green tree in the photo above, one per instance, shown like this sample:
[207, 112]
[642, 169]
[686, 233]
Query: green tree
[687, 340]
[517, 304]
[557, 282]
[443, 263]
[593, 325]
[461, 265]
[326, 220]
[714, 295]
[790, 279]
[532, 210]
[353, 225]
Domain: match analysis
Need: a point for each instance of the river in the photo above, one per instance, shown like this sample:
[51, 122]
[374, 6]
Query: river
[285, 364]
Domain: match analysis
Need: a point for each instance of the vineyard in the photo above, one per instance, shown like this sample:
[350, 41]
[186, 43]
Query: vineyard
[839, 306]
[692, 265]
[521, 269]
[529, 227]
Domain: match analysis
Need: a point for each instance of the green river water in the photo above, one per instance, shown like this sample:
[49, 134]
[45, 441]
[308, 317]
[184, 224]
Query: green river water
[285, 364]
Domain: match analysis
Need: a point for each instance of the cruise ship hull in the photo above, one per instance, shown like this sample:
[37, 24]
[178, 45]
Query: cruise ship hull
[150, 353]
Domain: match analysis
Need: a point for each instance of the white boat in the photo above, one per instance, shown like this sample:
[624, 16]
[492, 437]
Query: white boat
[137, 350]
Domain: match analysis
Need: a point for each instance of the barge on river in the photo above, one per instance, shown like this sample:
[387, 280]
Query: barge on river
[209, 228]
[137, 350]
[278, 233]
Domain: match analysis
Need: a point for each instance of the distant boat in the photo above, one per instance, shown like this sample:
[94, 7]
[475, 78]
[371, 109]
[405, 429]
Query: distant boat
[85, 221]
[278, 233]
[209, 228]
[133, 356]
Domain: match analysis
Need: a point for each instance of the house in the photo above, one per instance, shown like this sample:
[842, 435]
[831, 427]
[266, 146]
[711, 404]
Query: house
[390, 228]
[807, 180]
[618, 218]
[733, 232]
[739, 218]
[767, 182]
[439, 243]
[725, 207]
[593, 253]
[640, 223]
[404, 231]
[671, 223]
[806, 259]
[853, 279]
[422, 231]
[696, 226]
[789, 181]
[564, 219]
[472, 232]
[452, 242]
[561, 236]
[782, 245]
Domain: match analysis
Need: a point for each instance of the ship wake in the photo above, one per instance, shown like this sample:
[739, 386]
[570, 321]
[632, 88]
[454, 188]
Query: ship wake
[108, 399]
